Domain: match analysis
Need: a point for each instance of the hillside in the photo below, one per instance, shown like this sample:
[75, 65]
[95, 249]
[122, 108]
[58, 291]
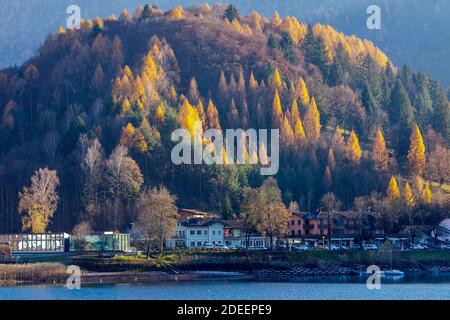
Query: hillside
[423, 43]
[98, 105]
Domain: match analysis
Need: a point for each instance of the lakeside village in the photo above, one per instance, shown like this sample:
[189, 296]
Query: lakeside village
[199, 230]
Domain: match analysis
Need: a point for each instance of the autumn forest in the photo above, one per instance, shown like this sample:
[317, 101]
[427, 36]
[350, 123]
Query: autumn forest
[87, 122]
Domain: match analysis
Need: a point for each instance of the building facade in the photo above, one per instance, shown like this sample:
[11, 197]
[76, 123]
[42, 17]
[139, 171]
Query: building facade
[197, 233]
[345, 227]
[37, 243]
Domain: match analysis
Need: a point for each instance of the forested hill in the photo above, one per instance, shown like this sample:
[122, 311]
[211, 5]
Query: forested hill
[413, 31]
[98, 105]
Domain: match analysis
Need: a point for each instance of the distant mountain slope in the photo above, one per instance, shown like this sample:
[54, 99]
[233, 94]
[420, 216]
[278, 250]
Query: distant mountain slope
[415, 32]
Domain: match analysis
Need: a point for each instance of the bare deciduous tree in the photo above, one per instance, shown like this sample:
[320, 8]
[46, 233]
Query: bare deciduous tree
[438, 168]
[93, 167]
[331, 204]
[273, 216]
[122, 181]
[157, 216]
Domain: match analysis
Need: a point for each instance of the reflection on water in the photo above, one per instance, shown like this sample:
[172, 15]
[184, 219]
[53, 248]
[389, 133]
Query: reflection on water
[306, 288]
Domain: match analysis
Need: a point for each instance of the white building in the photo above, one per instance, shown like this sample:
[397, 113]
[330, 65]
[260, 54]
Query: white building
[196, 233]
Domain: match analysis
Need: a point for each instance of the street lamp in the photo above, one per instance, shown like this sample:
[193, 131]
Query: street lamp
[323, 242]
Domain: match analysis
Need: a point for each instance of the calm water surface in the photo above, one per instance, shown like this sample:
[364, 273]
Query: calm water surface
[304, 289]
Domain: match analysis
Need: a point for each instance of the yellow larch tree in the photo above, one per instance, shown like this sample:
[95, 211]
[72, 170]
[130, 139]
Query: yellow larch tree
[201, 113]
[173, 96]
[295, 114]
[139, 143]
[193, 93]
[127, 136]
[393, 192]
[312, 122]
[212, 116]
[176, 13]
[408, 195]
[187, 116]
[286, 133]
[253, 84]
[160, 114]
[296, 30]
[277, 110]
[128, 72]
[277, 83]
[150, 68]
[241, 83]
[117, 90]
[354, 149]
[303, 93]
[139, 90]
[380, 154]
[276, 19]
[416, 153]
[126, 106]
[299, 132]
[427, 194]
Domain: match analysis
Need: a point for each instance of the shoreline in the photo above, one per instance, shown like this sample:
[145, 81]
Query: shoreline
[266, 275]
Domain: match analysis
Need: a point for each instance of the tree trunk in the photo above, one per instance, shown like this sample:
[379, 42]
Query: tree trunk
[148, 250]
[329, 231]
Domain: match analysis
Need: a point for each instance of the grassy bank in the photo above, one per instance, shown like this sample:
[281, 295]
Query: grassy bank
[32, 273]
[118, 263]
[187, 260]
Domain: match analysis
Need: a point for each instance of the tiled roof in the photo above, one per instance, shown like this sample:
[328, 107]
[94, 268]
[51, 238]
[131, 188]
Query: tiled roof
[233, 224]
[199, 222]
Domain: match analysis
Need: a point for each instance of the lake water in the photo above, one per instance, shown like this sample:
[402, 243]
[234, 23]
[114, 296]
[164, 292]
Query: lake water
[305, 289]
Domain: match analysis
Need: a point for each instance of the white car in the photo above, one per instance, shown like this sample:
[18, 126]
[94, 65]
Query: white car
[221, 246]
[417, 246]
[300, 247]
[369, 247]
[208, 246]
[333, 247]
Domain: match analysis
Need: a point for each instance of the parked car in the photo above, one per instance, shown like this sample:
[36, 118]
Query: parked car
[333, 247]
[343, 247]
[208, 246]
[417, 246]
[356, 246]
[221, 246]
[282, 246]
[300, 247]
[369, 247]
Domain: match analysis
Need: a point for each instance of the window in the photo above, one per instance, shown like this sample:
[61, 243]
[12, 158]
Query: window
[192, 232]
[299, 222]
[199, 244]
[199, 232]
[214, 232]
[219, 232]
[299, 232]
[293, 232]
[192, 244]
[205, 232]
[292, 222]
